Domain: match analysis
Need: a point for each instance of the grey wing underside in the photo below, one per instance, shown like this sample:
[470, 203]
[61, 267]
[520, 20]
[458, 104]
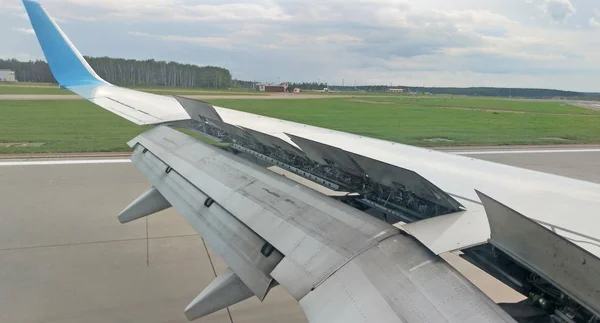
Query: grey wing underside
[339, 263]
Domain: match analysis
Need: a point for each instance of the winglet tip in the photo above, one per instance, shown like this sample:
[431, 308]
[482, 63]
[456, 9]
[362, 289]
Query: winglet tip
[66, 63]
[27, 3]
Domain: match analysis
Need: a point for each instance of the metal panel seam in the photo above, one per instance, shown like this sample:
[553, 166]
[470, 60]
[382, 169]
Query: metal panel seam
[384, 237]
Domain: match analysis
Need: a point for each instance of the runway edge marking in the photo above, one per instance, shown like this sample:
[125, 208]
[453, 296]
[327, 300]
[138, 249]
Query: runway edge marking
[64, 162]
[123, 161]
[533, 151]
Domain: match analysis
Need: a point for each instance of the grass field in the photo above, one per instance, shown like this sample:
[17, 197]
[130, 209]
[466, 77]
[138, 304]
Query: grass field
[46, 89]
[201, 92]
[479, 103]
[413, 124]
[13, 89]
[79, 126]
[62, 126]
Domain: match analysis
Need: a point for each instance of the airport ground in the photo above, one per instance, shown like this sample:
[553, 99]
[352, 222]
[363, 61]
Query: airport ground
[29, 125]
[65, 257]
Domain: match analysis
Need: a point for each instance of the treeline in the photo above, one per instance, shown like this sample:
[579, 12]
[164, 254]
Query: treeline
[32, 71]
[134, 73]
[131, 72]
[312, 86]
[498, 92]
[472, 91]
[240, 84]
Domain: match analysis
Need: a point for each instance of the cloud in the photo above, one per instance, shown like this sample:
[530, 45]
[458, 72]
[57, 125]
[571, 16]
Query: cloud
[327, 37]
[558, 10]
[24, 57]
[174, 10]
[25, 30]
[468, 42]
[595, 20]
[216, 42]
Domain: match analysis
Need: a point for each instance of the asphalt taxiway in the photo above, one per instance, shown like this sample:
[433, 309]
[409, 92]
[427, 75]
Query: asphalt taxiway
[64, 257]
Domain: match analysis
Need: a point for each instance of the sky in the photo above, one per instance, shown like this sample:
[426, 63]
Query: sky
[501, 43]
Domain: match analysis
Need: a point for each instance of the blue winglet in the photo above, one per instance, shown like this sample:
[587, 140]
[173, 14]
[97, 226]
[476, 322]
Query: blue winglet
[66, 63]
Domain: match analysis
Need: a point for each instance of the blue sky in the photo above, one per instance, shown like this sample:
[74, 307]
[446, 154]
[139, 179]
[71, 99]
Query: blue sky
[510, 43]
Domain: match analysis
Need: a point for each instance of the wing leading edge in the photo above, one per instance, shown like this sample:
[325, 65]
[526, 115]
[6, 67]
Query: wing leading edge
[72, 71]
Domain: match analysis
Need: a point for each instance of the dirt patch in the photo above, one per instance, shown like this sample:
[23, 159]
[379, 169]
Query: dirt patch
[20, 144]
[554, 138]
[374, 102]
[438, 140]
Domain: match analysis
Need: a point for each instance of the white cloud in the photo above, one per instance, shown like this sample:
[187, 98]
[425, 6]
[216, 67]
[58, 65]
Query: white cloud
[24, 57]
[468, 42]
[595, 20]
[25, 30]
[558, 10]
[216, 42]
[8, 5]
[173, 10]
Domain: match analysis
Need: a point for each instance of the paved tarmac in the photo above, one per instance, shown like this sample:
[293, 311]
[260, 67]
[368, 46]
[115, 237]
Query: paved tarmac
[64, 257]
[594, 105]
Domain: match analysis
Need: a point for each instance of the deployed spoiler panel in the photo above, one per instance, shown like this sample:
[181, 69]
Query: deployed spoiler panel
[571, 268]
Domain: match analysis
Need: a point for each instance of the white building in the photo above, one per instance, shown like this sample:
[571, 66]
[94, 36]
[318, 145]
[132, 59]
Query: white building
[7, 76]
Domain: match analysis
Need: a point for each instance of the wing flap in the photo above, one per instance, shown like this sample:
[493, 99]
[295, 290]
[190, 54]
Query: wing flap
[452, 231]
[399, 281]
[331, 254]
[316, 234]
[233, 241]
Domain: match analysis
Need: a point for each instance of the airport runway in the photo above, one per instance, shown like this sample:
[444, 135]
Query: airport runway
[64, 257]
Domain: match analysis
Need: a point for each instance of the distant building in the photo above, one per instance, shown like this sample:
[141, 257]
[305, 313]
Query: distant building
[7, 76]
[274, 88]
[297, 90]
[277, 88]
[260, 87]
[396, 90]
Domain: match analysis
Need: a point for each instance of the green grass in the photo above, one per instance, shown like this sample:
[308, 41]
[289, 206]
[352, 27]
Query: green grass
[79, 126]
[14, 89]
[483, 103]
[63, 126]
[412, 124]
[200, 92]
[30, 84]
[29, 88]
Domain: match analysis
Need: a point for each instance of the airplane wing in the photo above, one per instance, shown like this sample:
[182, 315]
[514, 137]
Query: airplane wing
[71, 71]
[367, 256]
